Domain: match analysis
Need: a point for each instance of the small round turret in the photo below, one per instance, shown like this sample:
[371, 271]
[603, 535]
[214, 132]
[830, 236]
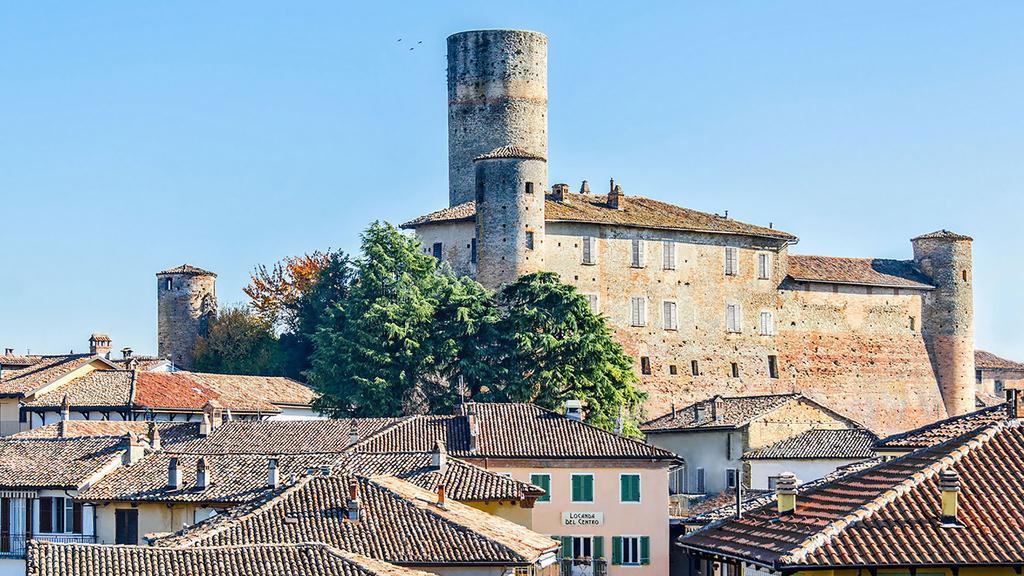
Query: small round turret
[186, 301]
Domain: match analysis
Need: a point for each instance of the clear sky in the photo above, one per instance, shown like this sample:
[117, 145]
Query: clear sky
[135, 136]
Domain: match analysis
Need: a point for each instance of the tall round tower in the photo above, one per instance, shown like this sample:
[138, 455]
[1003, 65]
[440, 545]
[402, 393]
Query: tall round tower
[947, 322]
[186, 301]
[510, 187]
[497, 96]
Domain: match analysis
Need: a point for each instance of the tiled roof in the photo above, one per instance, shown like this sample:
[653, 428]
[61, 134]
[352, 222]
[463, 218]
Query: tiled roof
[989, 361]
[942, 234]
[943, 430]
[15, 361]
[171, 433]
[510, 152]
[463, 481]
[46, 370]
[192, 390]
[97, 389]
[633, 211]
[858, 271]
[398, 523]
[890, 514]
[510, 431]
[272, 437]
[736, 411]
[55, 463]
[50, 559]
[824, 444]
[186, 269]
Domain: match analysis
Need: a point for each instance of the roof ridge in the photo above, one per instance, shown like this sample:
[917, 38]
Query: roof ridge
[869, 508]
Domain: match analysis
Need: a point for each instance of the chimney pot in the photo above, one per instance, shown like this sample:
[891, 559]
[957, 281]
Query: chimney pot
[353, 432]
[615, 196]
[717, 409]
[440, 495]
[202, 475]
[65, 409]
[133, 449]
[785, 492]
[99, 344]
[585, 187]
[949, 486]
[558, 192]
[353, 499]
[173, 474]
[439, 457]
[272, 474]
[126, 352]
[153, 435]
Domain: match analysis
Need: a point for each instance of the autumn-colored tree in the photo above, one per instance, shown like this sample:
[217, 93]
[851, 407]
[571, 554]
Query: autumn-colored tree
[275, 292]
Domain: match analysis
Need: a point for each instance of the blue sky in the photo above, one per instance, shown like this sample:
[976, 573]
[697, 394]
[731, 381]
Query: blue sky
[135, 136]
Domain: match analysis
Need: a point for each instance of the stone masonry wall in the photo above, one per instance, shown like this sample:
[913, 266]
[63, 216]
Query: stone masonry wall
[794, 418]
[182, 314]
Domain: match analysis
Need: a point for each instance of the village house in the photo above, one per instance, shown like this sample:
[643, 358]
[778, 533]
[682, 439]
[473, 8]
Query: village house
[809, 456]
[939, 432]
[994, 375]
[712, 435]
[950, 508]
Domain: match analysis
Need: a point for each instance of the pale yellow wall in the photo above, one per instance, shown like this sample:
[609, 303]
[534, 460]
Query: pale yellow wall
[510, 512]
[153, 518]
[9, 410]
[788, 421]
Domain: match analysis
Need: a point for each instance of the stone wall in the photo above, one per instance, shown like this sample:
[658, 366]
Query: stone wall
[183, 313]
[790, 420]
[510, 216]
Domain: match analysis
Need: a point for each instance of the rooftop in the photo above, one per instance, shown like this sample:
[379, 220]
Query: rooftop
[57, 463]
[276, 437]
[633, 211]
[943, 430]
[736, 411]
[510, 152]
[47, 369]
[186, 269]
[858, 271]
[846, 444]
[942, 234]
[170, 432]
[988, 361]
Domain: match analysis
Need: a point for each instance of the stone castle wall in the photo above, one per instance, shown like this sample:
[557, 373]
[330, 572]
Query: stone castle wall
[183, 312]
[507, 216]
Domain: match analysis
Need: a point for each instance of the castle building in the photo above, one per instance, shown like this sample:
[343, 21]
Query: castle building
[707, 304]
[186, 301]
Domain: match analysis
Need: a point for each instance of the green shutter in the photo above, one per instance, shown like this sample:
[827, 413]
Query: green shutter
[588, 492]
[566, 546]
[629, 488]
[542, 481]
[616, 550]
[598, 546]
[645, 550]
[576, 492]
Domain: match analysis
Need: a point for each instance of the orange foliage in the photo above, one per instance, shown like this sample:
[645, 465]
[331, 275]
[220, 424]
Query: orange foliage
[275, 291]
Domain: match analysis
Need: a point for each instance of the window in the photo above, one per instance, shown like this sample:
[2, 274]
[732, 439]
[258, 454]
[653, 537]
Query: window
[672, 370]
[542, 481]
[631, 550]
[701, 489]
[767, 323]
[999, 387]
[582, 547]
[772, 481]
[637, 252]
[645, 365]
[732, 318]
[592, 300]
[669, 315]
[589, 250]
[978, 376]
[60, 516]
[529, 239]
[629, 487]
[677, 480]
[913, 323]
[639, 311]
[126, 526]
[168, 283]
[529, 187]
[694, 368]
[438, 249]
[582, 487]
[764, 265]
[731, 261]
[472, 250]
[734, 369]
[773, 366]
[730, 478]
[668, 258]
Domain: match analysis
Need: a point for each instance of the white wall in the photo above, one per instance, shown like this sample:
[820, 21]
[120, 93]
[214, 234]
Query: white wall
[805, 470]
[704, 449]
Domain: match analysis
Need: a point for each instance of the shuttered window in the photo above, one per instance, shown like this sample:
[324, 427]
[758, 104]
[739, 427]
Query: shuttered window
[629, 488]
[592, 300]
[668, 255]
[767, 323]
[126, 526]
[764, 266]
[700, 481]
[732, 266]
[438, 250]
[631, 550]
[542, 481]
[638, 311]
[582, 488]
[732, 317]
[637, 260]
[589, 250]
[529, 240]
[669, 315]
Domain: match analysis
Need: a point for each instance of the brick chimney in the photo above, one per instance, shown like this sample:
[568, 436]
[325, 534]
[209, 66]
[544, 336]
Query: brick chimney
[440, 495]
[469, 413]
[99, 344]
[133, 449]
[65, 409]
[949, 486]
[717, 409]
[614, 195]
[585, 187]
[213, 417]
[153, 435]
[439, 457]
[1014, 404]
[202, 474]
[352, 504]
[558, 192]
[272, 475]
[785, 491]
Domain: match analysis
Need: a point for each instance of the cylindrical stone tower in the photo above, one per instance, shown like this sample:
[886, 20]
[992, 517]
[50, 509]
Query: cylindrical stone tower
[497, 96]
[947, 322]
[510, 186]
[186, 301]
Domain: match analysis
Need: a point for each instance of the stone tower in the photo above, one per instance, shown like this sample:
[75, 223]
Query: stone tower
[947, 322]
[497, 96]
[510, 187]
[186, 301]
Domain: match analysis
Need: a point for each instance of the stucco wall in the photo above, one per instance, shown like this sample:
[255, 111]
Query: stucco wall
[153, 518]
[805, 470]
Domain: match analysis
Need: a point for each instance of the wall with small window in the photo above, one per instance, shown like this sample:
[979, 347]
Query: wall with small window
[457, 241]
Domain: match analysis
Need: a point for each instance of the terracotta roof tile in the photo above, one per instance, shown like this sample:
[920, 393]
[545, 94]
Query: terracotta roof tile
[46, 370]
[186, 269]
[170, 432]
[858, 271]
[50, 559]
[272, 437]
[943, 430]
[988, 361]
[845, 444]
[191, 390]
[510, 152]
[633, 211]
[735, 411]
[64, 463]
[942, 234]
[97, 389]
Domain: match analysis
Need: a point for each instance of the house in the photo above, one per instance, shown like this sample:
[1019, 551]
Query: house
[606, 494]
[48, 559]
[994, 375]
[944, 509]
[811, 455]
[384, 518]
[939, 432]
[712, 435]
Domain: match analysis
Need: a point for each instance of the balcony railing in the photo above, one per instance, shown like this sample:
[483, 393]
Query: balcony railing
[584, 567]
[14, 545]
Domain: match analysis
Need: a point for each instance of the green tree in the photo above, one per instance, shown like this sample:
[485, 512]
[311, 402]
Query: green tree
[238, 342]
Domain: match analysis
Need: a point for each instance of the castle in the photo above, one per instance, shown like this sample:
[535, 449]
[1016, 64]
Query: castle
[186, 299]
[707, 304]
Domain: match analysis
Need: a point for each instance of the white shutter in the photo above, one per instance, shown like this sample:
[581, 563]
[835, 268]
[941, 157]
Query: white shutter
[763, 266]
[588, 252]
[640, 253]
[592, 299]
[669, 310]
[731, 266]
[638, 312]
[668, 255]
[732, 317]
[767, 324]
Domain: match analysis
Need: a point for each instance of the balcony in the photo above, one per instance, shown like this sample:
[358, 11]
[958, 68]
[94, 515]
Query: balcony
[14, 545]
[584, 567]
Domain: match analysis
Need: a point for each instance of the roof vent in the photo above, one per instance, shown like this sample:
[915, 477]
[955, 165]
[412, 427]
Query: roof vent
[202, 475]
[785, 492]
[273, 479]
[173, 474]
[574, 410]
[949, 485]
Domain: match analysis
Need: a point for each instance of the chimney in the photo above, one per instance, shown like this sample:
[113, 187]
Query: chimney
[61, 431]
[469, 412]
[272, 477]
[153, 435]
[99, 344]
[785, 491]
[213, 417]
[126, 352]
[673, 410]
[949, 485]
[439, 457]
[134, 450]
[352, 504]
[717, 409]
[699, 412]
[614, 195]
[8, 351]
[440, 495]
[173, 474]
[65, 409]
[574, 410]
[585, 188]
[353, 432]
[202, 475]
[1014, 404]
[558, 192]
